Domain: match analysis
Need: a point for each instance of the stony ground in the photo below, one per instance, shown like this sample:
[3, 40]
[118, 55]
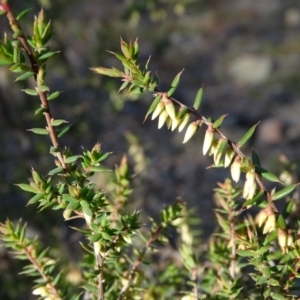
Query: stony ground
[245, 54]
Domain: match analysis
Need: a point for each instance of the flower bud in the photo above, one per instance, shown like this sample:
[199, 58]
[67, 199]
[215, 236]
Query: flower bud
[162, 119]
[208, 139]
[250, 177]
[175, 123]
[229, 155]
[67, 213]
[183, 122]
[236, 169]
[159, 108]
[213, 148]
[270, 224]
[191, 130]
[170, 108]
[262, 216]
[282, 239]
[40, 291]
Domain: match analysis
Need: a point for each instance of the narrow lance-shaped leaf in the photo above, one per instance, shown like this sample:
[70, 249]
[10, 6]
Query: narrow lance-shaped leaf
[248, 135]
[174, 84]
[30, 92]
[198, 99]
[266, 174]
[64, 130]
[53, 96]
[284, 192]
[281, 222]
[255, 158]
[219, 121]
[288, 208]
[153, 106]
[27, 188]
[39, 131]
[58, 122]
[24, 76]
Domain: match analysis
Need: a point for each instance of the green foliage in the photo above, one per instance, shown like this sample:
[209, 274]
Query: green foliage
[246, 258]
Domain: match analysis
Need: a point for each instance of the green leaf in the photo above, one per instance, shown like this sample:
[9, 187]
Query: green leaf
[153, 106]
[47, 55]
[40, 110]
[254, 199]
[174, 84]
[39, 131]
[219, 121]
[288, 208]
[35, 199]
[27, 188]
[198, 99]
[24, 76]
[86, 207]
[4, 62]
[98, 169]
[247, 135]
[71, 159]
[44, 88]
[55, 171]
[31, 92]
[276, 296]
[58, 122]
[23, 13]
[284, 192]
[266, 174]
[281, 222]
[95, 237]
[246, 253]
[53, 96]
[64, 130]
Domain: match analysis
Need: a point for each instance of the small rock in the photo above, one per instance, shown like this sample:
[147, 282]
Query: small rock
[292, 17]
[270, 131]
[250, 69]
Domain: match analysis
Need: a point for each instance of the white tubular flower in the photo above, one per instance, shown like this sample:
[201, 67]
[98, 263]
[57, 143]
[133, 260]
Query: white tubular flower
[270, 224]
[229, 155]
[162, 119]
[170, 108]
[191, 130]
[184, 122]
[175, 123]
[40, 291]
[236, 169]
[250, 176]
[159, 108]
[208, 139]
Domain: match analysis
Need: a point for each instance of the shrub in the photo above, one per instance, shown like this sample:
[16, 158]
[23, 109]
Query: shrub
[246, 258]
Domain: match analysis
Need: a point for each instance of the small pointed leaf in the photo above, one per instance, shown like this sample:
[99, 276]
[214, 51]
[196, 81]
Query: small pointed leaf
[247, 135]
[219, 121]
[41, 131]
[198, 99]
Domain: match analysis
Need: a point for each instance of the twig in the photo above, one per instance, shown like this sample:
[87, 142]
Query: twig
[139, 260]
[15, 26]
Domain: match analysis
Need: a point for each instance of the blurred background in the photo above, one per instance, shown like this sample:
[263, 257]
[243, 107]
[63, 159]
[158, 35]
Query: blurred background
[244, 53]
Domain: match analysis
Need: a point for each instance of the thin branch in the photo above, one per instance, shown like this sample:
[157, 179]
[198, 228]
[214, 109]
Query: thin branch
[139, 260]
[36, 68]
[39, 268]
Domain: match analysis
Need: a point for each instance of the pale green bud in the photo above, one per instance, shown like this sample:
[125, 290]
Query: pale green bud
[229, 155]
[236, 169]
[191, 130]
[208, 139]
[270, 224]
[162, 119]
[250, 176]
[175, 123]
[184, 122]
[170, 108]
[159, 108]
